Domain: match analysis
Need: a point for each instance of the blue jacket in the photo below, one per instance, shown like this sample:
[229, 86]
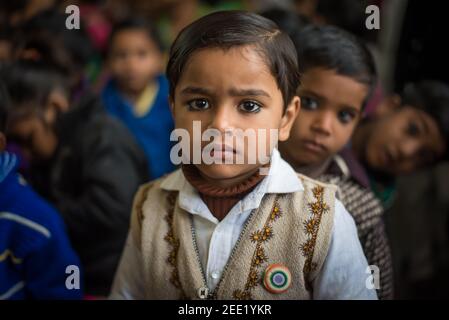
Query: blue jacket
[34, 249]
[152, 131]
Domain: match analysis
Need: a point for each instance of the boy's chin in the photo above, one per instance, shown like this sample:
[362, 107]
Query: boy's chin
[225, 172]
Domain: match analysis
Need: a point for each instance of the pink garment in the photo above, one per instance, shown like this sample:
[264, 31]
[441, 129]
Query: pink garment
[97, 25]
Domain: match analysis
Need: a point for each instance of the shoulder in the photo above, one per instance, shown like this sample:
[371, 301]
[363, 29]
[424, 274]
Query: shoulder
[154, 194]
[31, 218]
[32, 206]
[163, 83]
[103, 131]
[361, 202]
[308, 182]
[153, 200]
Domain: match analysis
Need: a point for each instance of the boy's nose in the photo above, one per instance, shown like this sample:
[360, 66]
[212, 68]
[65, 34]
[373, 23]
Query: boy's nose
[222, 119]
[322, 123]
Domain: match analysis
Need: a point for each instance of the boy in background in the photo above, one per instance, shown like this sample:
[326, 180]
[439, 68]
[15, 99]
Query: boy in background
[82, 160]
[338, 76]
[137, 93]
[34, 248]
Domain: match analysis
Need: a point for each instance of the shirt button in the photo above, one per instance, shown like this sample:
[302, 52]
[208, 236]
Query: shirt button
[215, 275]
[203, 293]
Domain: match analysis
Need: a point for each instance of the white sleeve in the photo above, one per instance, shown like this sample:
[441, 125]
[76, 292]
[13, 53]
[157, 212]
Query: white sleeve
[128, 280]
[345, 271]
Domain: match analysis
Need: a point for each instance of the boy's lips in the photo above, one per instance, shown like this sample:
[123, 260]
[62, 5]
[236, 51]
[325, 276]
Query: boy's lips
[313, 146]
[222, 151]
[223, 148]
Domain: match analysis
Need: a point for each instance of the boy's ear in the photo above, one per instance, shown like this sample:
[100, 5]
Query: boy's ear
[171, 102]
[2, 142]
[289, 118]
[57, 103]
[388, 105]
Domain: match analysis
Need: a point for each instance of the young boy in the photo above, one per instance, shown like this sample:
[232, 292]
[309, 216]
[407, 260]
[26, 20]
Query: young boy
[137, 94]
[34, 248]
[338, 75]
[405, 133]
[227, 231]
[83, 161]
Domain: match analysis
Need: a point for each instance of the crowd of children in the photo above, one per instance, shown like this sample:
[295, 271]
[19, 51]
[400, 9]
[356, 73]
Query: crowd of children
[87, 180]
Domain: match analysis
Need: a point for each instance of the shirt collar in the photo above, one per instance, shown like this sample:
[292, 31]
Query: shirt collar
[281, 178]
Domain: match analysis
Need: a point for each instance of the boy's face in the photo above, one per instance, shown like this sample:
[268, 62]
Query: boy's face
[402, 141]
[228, 90]
[134, 60]
[330, 109]
[35, 138]
[35, 134]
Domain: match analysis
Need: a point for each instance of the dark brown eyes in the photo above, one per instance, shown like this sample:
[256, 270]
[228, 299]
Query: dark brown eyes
[203, 104]
[198, 104]
[413, 129]
[311, 104]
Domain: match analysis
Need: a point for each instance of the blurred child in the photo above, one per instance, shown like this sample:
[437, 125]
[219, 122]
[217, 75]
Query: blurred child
[338, 75]
[407, 132]
[227, 231]
[34, 247]
[137, 94]
[83, 161]
[45, 38]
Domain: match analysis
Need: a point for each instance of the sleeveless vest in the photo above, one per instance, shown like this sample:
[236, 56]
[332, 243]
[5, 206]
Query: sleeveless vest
[292, 229]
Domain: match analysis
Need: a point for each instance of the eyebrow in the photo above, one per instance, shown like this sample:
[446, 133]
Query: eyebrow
[195, 90]
[353, 109]
[248, 92]
[233, 92]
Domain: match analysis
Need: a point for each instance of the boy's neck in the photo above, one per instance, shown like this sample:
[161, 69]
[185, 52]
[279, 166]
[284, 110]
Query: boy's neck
[314, 170]
[229, 182]
[220, 197]
[134, 95]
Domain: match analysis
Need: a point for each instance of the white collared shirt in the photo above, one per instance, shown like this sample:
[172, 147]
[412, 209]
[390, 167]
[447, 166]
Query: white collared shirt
[343, 275]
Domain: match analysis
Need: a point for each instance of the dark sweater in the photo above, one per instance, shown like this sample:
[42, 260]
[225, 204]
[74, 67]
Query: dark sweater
[91, 180]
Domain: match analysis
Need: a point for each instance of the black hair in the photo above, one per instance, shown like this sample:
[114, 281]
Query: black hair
[29, 85]
[432, 97]
[347, 14]
[68, 50]
[228, 29]
[332, 48]
[4, 107]
[288, 21]
[136, 23]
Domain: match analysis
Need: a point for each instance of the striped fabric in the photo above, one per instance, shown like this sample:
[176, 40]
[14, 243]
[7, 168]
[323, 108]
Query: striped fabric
[367, 212]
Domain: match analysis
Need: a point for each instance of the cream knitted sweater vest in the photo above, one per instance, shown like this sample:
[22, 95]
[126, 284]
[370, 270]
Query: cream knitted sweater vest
[292, 229]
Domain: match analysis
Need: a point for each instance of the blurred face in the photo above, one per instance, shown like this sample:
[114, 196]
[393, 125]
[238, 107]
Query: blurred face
[403, 141]
[228, 90]
[34, 133]
[134, 60]
[330, 109]
[36, 139]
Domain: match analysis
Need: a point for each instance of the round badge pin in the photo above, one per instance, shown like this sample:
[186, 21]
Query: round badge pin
[277, 278]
